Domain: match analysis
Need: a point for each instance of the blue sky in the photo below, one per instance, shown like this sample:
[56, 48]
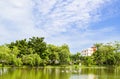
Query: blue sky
[78, 23]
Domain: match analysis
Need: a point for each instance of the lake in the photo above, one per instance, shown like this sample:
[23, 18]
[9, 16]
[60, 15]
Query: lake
[59, 73]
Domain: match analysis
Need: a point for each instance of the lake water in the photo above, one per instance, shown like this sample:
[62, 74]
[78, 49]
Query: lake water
[59, 73]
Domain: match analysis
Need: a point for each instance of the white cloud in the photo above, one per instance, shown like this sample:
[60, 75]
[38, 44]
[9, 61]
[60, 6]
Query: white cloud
[58, 16]
[16, 18]
[60, 21]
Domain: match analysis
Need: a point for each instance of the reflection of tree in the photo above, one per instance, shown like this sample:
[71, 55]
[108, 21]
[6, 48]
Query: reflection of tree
[34, 73]
[3, 71]
[55, 73]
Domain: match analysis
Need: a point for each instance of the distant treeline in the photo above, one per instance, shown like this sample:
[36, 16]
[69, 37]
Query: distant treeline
[36, 52]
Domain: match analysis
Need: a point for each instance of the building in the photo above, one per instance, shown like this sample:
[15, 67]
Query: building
[88, 51]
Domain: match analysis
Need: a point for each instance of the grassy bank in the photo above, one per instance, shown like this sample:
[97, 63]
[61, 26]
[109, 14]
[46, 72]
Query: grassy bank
[56, 66]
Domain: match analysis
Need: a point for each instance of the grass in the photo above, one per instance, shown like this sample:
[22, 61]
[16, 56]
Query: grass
[59, 66]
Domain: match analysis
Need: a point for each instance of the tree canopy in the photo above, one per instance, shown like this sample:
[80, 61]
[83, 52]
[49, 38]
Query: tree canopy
[36, 52]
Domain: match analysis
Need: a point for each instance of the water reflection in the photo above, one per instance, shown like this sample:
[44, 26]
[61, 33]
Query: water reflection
[3, 70]
[90, 76]
[59, 73]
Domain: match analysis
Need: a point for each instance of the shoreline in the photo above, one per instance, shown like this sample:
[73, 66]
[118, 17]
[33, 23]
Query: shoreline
[60, 66]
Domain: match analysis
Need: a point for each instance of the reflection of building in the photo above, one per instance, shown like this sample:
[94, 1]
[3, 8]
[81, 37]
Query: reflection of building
[91, 76]
[88, 51]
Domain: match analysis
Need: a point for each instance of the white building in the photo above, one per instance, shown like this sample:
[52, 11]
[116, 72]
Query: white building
[88, 51]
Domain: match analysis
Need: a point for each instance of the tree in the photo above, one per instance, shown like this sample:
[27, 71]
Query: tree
[104, 54]
[4, 55]
[20, 45]
[31, 59]
[88, 60]
[15, 51]
[38, 45]
[64, 54]
[76, 58]
[53, 54]
[27, 60]
[37, 59]
[18, 62]
[117, 59]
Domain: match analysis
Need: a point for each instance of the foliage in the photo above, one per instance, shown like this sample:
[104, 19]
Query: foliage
[38, 45]
[32, 60]
[76, 58]
[88, 60]
[35, 52]
[106, 54]
[64, 55]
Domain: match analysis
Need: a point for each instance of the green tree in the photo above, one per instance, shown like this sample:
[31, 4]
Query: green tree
[88, 60]
[18, 62]
[53, 53]
[4, 55]
[105, 54]
[15, 51]
[76, 58]
[64, 54]
[117, 59]
[21, 45]
[31, 60]
[38, 45]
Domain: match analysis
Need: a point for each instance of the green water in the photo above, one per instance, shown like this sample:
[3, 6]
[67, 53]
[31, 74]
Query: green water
[59, 73]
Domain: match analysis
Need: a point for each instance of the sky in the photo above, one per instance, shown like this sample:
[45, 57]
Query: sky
[78, 23]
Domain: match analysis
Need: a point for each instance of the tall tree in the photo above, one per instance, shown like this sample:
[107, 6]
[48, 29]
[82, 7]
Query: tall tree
[76, 58]
[38, 45]
[53, 53]
[64, 54]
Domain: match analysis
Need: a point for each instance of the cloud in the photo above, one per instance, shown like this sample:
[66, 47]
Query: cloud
[15, 15]
[57, 16]
[59, 21]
